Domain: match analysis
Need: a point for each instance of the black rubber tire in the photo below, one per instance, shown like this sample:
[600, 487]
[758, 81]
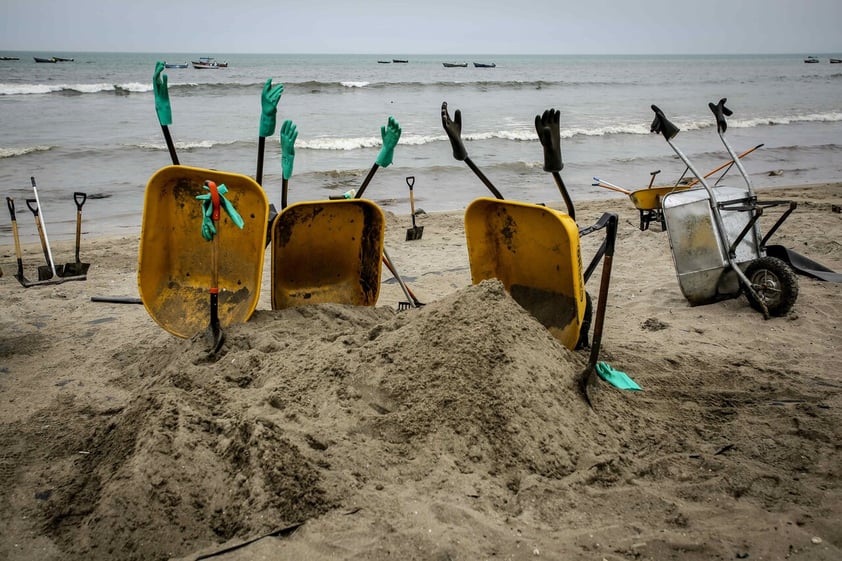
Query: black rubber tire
[775, 283]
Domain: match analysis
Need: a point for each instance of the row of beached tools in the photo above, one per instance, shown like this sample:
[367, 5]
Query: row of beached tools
[50, 273]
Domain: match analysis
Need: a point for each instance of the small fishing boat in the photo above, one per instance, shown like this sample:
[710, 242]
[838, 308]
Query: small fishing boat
[39, 59]
[175, 65]
[811, 60]
[384, 62]
[208, 62]
[59, 59]
[9, 58]
[835, 60]
[400, 60]
[484, 65]
[454, 64]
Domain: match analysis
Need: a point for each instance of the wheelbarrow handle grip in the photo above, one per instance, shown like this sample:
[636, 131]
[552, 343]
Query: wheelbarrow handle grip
[662, 125]
[29, 204]
[720, 112]
[79, 195]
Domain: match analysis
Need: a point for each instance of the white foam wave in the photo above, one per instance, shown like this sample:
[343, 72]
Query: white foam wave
[12, 152]
[359, 84]
[40, 89]
[182, 145]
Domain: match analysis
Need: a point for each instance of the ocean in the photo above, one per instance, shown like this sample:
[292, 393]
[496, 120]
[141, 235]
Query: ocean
[89, 125]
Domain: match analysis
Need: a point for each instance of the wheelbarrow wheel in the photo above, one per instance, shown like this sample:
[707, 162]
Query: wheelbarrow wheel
[775, 284]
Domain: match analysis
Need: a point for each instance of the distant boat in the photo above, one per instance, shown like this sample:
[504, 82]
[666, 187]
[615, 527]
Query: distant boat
[399, 60]
[208, 62]
[38, 59]
[811, 60]
[59, 59]
[384, 62]
[484, 65]
[9, 58]
[175, 64]
[835, 60]
[454, 64]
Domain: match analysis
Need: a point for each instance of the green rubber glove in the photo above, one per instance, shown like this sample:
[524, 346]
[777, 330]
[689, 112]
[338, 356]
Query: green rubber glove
[390, 133]
[269, 107]
[546, 126]
[162, 96]
[208, 229]
[289, 132]
[616, 378]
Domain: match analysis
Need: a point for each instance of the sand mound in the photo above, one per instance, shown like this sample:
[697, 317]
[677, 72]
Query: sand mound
[282, 426]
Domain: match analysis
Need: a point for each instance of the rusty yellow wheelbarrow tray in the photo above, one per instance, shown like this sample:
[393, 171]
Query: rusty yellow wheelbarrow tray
[534, 251]
[327, 252]
[174, 260]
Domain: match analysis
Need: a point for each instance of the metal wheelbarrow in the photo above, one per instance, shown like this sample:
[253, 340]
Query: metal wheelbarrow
[715, 239]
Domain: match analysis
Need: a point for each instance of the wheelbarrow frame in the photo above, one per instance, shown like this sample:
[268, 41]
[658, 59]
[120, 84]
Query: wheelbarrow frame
[715, 238]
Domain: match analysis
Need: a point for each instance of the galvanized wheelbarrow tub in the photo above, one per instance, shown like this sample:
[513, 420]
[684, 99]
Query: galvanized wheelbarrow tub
[700, 254]
[174, 272]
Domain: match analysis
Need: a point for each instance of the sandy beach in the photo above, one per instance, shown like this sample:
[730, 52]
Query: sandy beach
[452, 431]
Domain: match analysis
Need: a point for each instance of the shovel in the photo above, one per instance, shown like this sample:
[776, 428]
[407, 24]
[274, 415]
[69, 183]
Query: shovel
[19, 275]
[48, 271]
[77, 268]
[415, 232]
[214, 336]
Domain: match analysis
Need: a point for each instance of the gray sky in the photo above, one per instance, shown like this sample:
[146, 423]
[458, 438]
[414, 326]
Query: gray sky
[424, 26]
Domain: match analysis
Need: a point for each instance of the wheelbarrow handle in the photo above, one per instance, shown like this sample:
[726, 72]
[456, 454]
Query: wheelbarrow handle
[663, 125]
[720, 112]
[76, 199]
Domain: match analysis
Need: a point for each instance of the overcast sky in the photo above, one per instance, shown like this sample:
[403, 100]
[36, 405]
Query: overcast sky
[424, 26]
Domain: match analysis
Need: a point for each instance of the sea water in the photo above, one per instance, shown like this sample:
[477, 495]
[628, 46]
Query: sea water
[90, 126]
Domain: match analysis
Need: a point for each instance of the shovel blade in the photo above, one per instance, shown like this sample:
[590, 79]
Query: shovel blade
[46, 273]
[414, 233]
[75, 269]
[214, 338]
[587, 382]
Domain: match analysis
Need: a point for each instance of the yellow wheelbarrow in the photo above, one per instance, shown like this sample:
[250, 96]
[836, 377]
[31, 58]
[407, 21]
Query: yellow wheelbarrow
[535, 251]
[174, 260]
[327, 251]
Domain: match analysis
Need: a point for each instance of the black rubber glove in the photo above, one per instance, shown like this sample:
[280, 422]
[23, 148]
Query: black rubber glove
[453, 128]
[547, 127]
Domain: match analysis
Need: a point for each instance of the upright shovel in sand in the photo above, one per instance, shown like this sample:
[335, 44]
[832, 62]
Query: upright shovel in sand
[415, 232]
[78, 268]
[213, 335]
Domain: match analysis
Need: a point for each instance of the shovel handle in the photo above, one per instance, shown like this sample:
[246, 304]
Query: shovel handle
[410, 180]
[10, 202]
[33, 208]
[79, 198]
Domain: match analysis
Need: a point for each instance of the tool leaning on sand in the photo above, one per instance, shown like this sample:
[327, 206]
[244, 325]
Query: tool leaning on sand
[50, 273]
